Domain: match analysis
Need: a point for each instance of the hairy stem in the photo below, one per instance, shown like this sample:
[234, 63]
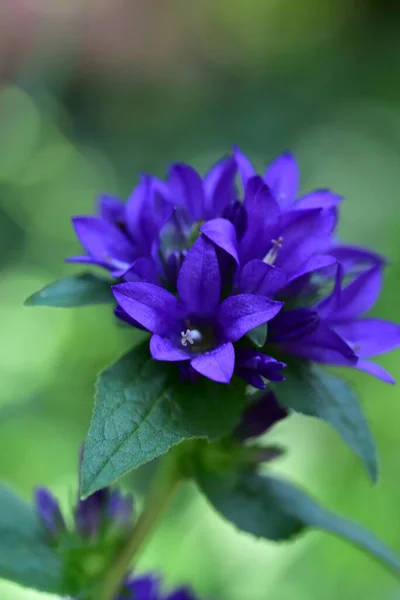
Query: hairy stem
[165, 482]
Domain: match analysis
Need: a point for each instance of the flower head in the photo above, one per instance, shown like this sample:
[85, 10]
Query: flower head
[204, 261]
[197, 326]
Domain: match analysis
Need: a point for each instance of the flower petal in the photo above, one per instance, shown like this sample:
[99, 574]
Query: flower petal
[293, 324]
[162, 348]
[359, 295]
[355, 257]
[238, 314]
[318, 262]
[220, 189]
[146, 211]
[217, 364]
[246, 169]
[371, 337]
[104, 241]
[262, 217]
[322, 345]
[152, 306]
[258, 277]
[375, 370]
[260, 416]
[110, 208]
[318, 199]
[260, 363]
[282, 177]
[199, 280]
[143, 269]
[223, 234]
[187, 189]
[304, 233]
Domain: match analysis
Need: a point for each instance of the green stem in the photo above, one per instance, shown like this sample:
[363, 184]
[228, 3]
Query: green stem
[165, 482]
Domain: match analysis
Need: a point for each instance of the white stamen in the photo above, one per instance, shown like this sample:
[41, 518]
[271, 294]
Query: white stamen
[272, 254]
[190, 336]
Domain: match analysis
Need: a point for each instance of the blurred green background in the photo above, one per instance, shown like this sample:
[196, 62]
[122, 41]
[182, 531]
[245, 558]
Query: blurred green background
[95, 92]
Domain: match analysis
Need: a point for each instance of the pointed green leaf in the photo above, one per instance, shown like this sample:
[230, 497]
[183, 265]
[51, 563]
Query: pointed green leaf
[74, 290]
[258, 335]
[26, 556]
[143, 409]
[312, 391]
[276, 510]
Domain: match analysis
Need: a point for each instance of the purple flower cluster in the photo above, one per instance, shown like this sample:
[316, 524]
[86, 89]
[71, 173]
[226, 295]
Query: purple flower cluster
[107, 510]
[203, 263]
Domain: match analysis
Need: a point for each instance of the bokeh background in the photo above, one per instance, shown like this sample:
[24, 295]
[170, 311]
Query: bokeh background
[93, 92]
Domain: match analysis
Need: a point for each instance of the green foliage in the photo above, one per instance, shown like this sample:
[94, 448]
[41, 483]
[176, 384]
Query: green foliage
[26, 556]
[312, 391]
[276, 510]
[74, 290]
[143, 409]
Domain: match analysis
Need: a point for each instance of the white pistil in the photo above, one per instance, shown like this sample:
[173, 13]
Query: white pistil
[272, 254]
[190, 336]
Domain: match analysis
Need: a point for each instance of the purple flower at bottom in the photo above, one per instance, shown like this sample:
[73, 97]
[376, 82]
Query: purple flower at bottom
[147, 587]
[196, 326]
[260, 416]
[49, 512]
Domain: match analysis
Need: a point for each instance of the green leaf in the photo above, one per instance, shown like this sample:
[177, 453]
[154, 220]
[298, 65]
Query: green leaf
[312, 391]
[143, 409]
[74, 290]
[276, 510]
[258, 335]
[26, 556]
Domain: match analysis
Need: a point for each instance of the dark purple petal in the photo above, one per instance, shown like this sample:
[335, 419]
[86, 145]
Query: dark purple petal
[318, 262]
[152, 306]
[262, 364]
[143, 269]
[146, 211]
[165, 349]
[223, 193]
[293, 324]
[238, 314]
[123, 316]
[111, 209]
[104, 241]
[355, 257]
[282, 177]
[49, 512]
[262, 214]
[305, 233]
[237, 215]
[318, 199]
[187, 190]
[199, 280]
[90, 513]
[370, 337]
[245, 168]
[144, 587]
[359, 295]
[222, 233]
[260, 416]
[258, 277]
[173, 266]
[183, 593]
[330, 305]
[375, 370]
[322, 345]
[251, 377]
[217, 364]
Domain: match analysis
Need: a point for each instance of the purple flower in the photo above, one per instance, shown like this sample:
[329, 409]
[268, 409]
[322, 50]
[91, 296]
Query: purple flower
[124, 233]
[197, 326]
[103, 511]
[49, 512]
[262, 414]
[336, 334]
[147, 587]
